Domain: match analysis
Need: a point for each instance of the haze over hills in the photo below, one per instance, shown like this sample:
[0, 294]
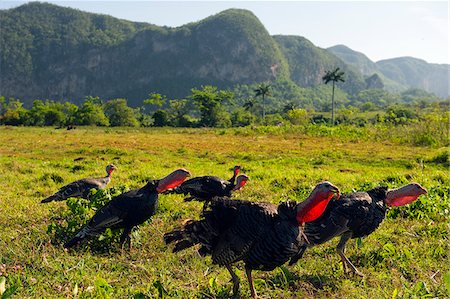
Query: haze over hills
[399, 73]
[53, 52]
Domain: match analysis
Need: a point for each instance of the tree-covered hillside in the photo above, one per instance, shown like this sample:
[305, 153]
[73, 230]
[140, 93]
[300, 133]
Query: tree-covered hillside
[399, 74]
[46, 49]
[357, 59]
[415, 72]
[61, 53]
[308, 63]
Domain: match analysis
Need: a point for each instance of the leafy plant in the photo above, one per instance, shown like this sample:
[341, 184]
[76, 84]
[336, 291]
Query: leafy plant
[102, 288]
[68, 221]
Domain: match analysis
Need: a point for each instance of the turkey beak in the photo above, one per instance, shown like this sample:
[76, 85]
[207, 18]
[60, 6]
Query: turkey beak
[336, 191]
[424, 191]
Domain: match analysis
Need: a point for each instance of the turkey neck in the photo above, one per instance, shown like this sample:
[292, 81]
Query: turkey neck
[392, 194]
[313, 206]
[400, 196]
[305, 206]
[233, 178]
[150, 187]
[109, 174]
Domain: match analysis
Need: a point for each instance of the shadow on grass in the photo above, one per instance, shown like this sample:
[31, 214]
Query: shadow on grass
[221, 292]
[311, 283]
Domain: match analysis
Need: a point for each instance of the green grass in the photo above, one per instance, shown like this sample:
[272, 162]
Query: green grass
[407, 257]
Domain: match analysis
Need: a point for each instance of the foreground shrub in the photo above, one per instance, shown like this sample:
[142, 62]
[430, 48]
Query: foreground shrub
[67, 221]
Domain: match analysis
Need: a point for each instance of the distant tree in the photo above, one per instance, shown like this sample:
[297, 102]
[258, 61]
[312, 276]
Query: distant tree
[70, 110]
[160, 118]
[155, 101]
[289, 106]
[377, 97]
[209, 101]
[178, 110]
[91, 113]
[263, 90]
[273, 120]
[249, 104]
[241, 118]
[297, 116]
[144, 119]
[334, 76]
[368, 106]
[2, 106]
[119, 114]
[48, 113]
[400, 114]
[13, 113]
[36, 114]
[415, 95]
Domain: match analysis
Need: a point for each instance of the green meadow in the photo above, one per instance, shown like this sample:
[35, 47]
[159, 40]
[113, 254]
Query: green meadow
[407, 257]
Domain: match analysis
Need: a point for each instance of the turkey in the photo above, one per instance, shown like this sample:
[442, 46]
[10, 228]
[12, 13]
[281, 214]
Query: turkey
[356, 215]
[204, 188]
[236, 171]
[81, 188]
[262, 235]
[129, 209]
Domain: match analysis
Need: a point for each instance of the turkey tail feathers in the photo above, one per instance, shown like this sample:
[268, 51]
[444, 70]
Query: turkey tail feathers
[192, 232]
[83, 233]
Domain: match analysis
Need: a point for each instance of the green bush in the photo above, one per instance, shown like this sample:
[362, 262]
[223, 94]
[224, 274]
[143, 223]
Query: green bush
[66, 222]
[298, 116]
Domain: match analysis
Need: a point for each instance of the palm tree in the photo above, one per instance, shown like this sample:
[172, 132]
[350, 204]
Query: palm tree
[333, 76]
[249, 104]
[263, 90]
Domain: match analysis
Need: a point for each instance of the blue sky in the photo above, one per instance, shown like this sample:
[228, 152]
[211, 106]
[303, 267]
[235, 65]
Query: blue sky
[379, 29]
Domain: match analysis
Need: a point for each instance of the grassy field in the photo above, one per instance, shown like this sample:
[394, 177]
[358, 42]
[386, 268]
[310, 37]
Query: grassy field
[407, 257]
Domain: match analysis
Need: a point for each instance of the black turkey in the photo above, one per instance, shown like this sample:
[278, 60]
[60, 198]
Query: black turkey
[129, 209]
[82, 188]
[356, 215]
[263, 235]
[204, 188]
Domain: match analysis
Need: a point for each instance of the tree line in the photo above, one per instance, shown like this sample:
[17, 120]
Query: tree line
[207, 106]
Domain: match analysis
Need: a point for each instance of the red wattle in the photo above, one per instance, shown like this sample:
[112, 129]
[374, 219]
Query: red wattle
[313, 213]
[314, 210]
[169, 185]
[401, 201]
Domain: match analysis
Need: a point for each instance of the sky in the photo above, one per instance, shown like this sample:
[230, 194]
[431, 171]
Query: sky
[379, 29]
